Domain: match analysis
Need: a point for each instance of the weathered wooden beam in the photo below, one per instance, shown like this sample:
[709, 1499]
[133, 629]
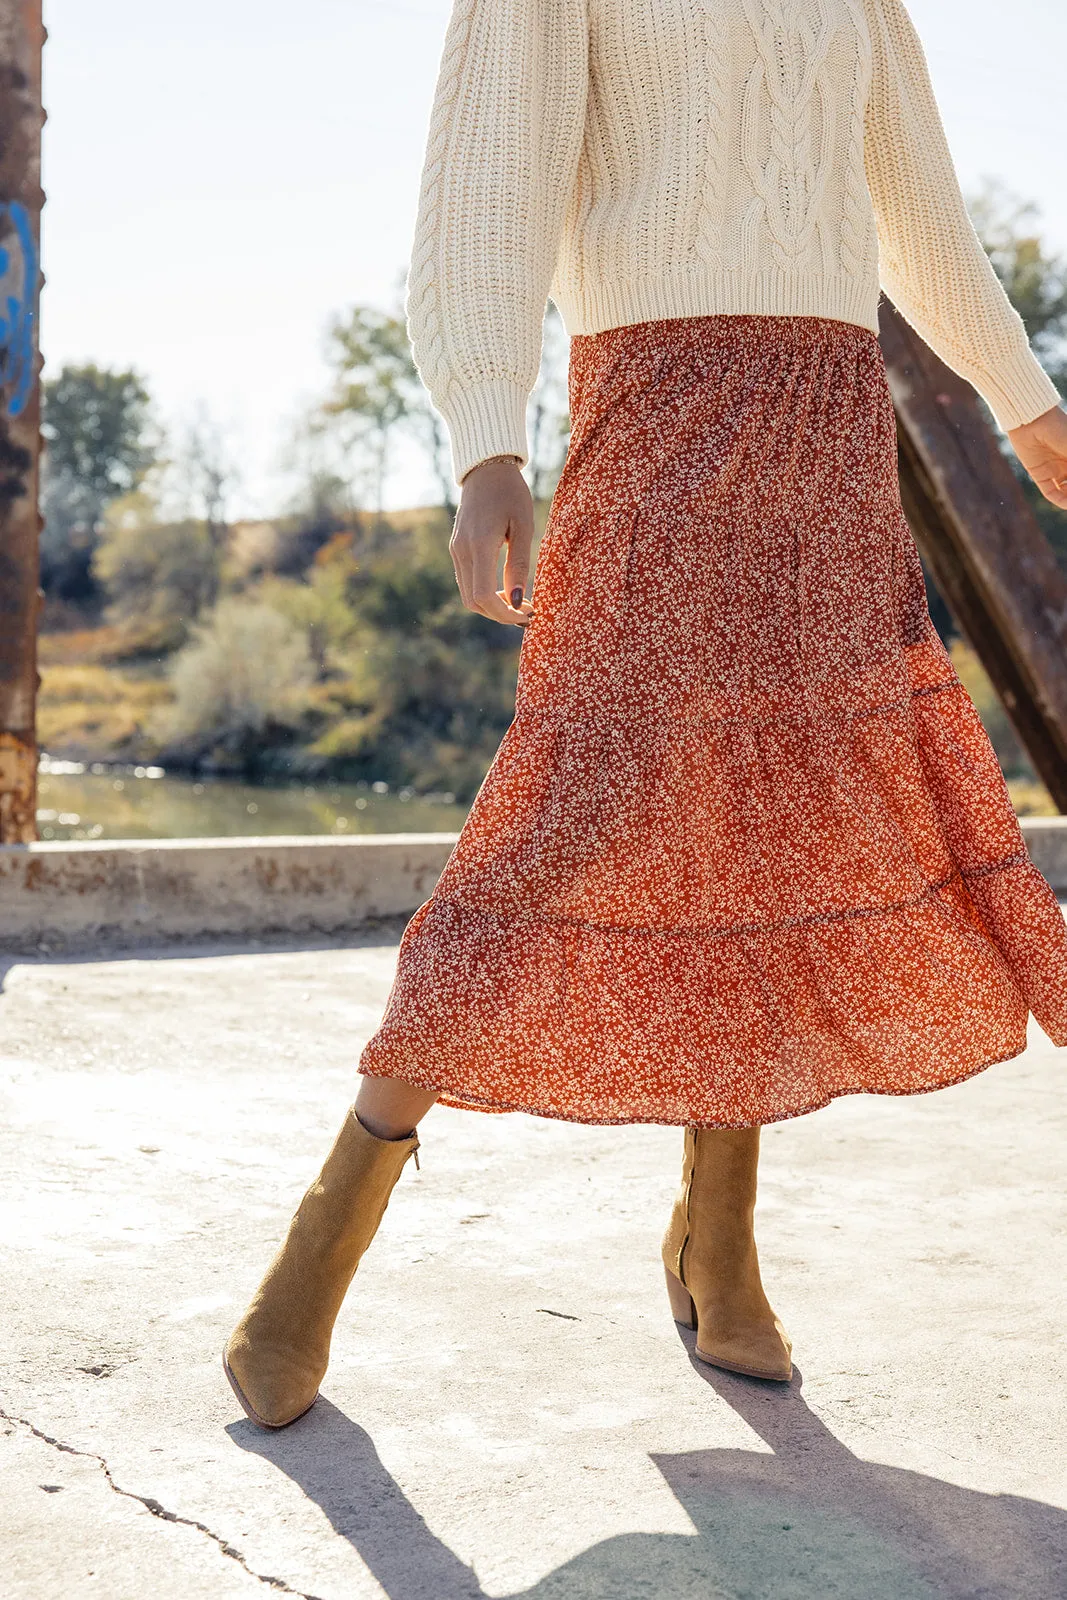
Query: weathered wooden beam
[21, 41]
[990, 560]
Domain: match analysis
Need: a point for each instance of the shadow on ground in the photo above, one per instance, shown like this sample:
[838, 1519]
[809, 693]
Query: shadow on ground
[808, 1522]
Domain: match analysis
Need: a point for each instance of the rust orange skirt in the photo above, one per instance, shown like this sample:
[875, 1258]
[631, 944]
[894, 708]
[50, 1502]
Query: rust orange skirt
[745, 846]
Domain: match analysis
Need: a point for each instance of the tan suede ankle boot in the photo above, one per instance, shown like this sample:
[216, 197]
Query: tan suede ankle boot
[709, 1252]
[277, 1355]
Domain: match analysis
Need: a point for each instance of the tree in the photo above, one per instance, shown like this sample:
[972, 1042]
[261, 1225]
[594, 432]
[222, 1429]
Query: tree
[158, 576]
[100, 441]
[202, 476]
[421, 419]
[377, 393]
[319, 605]
[429, 430]
[374, 387]
[321, 504]
[424, 687]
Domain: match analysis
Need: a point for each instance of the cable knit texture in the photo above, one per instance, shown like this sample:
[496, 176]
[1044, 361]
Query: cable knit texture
[637, 161]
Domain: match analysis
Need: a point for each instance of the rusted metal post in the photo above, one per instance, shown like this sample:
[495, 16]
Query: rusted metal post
[21, 118]
[993, 565]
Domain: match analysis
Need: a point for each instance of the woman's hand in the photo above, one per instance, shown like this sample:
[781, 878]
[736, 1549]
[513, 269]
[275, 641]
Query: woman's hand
[495, 509]
[1041, 446]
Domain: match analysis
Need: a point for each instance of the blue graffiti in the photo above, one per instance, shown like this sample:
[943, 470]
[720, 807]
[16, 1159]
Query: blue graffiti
[18, 297]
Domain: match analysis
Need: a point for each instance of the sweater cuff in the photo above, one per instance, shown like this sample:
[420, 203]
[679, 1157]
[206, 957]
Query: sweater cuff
[1018, 391]
[486, 419]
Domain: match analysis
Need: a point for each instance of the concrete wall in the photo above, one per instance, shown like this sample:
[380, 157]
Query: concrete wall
[69, 896]
[77, 896]
[1046, 840]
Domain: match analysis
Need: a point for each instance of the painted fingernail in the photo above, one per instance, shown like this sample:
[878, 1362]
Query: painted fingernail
[516, 597]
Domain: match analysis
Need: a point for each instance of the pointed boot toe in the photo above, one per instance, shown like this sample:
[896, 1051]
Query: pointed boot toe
[274, 1388]
[754, 1352]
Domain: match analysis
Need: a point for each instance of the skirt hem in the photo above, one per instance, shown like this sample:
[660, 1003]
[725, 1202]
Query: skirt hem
[744, 847]
[494, 1107]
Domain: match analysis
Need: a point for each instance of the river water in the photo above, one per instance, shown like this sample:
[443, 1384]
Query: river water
[77, 801]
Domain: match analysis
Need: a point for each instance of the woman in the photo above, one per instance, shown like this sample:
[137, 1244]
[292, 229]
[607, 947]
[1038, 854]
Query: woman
[745, 845]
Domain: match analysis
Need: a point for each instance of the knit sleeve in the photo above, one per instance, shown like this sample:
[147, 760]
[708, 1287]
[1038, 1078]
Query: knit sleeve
[502, 151]
[931, 261]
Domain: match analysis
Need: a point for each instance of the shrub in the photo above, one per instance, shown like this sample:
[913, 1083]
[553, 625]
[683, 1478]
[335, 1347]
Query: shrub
[157, 574]
[239, 685]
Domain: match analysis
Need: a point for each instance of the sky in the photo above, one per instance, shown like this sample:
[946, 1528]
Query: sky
[224, 175]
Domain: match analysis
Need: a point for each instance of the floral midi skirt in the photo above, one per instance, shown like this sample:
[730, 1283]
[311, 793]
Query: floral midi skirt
[745, 845]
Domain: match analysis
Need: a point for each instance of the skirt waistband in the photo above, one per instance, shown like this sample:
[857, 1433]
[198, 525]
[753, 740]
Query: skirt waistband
[783, 331]
[637, 355]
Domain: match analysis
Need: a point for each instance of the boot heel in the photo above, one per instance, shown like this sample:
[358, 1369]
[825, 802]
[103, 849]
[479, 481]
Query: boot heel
[683, 1308]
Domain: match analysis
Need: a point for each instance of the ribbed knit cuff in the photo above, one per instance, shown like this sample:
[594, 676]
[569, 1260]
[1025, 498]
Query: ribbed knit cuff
[1018, 391]
[486, 419]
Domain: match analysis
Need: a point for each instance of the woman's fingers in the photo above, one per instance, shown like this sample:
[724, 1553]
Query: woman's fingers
[476, 578]
[1050, 475]
[1041, 446]
[1051, 479]
[488, 598]
[461, 562]
[517, 560]
[525, 606]
[495, 509]
[1052, 490]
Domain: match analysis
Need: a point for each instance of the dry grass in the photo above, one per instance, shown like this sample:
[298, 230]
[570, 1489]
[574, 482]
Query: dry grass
[81, 647]
[105, 645]
[96, 713]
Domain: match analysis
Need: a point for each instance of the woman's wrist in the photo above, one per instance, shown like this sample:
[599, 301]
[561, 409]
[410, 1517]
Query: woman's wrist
[485, 462]
[1034, 422]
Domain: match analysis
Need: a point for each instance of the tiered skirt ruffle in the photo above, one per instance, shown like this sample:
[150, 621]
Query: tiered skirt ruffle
[745, 846]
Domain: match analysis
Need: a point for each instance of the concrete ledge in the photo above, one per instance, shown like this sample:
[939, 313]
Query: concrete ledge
[1046, 840]
[74, 896]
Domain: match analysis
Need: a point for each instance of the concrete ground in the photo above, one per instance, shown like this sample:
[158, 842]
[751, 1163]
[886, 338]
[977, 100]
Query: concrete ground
[510, 1409]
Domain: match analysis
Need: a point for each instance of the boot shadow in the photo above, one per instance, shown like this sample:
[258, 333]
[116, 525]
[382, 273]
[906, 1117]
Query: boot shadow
[808, 1522]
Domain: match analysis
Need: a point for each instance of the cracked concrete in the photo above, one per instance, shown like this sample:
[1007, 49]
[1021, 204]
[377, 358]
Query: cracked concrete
[107, 1575]
[510, 1410]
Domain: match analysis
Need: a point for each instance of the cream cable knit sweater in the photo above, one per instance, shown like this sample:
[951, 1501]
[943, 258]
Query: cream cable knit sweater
[661, 158]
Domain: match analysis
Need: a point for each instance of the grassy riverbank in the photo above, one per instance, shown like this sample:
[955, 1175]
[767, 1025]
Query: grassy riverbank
[105, 778]
[347, 660]
[352, 661]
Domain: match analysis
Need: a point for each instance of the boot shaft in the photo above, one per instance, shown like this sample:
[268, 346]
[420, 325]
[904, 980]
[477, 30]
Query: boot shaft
[712, 1220]
[277, 1355]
